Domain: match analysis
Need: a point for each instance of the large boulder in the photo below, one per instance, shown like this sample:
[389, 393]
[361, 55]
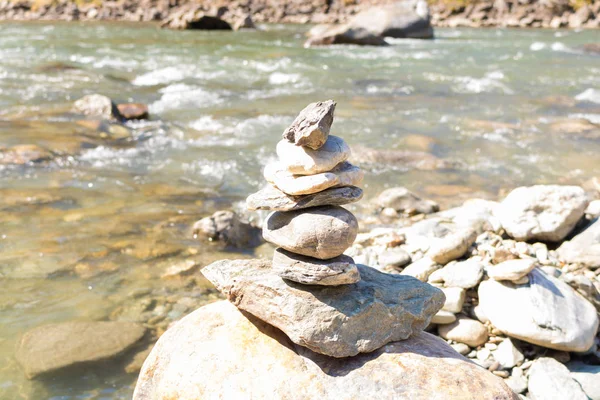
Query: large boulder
[49, 348]
[339, 321]
[583, 248]
[542, 212]
[546, 311]
[220, 352]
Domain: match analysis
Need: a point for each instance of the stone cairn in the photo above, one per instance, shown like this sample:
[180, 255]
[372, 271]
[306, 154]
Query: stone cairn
[325, 301]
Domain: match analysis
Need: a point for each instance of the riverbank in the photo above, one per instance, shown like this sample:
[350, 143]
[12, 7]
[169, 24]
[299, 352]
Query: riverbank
[445, 13]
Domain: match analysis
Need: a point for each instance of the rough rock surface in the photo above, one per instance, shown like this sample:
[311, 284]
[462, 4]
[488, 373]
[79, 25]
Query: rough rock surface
[452, 246]
[274, 199]
[340, 270]
[507, 354]
[338, 321]
[52, 347]
[546, 311]
[320, 232]
[343, 34]
[465, 330]
[542, 212]
[588, 376]
[465, 274]
[511, 270]
[97, 105]
[403, 200]
[549, 379]
[247, 358]
[311, 126]
[343, 174]
[304, 161]
[583, 248]
[133, 110]
[229, 228]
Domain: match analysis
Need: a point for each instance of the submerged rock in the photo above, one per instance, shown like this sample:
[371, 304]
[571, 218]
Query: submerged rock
[311, 127]
[274, 199]
[24, 154]
[218, 351]
[546, 311]
[229, 228]
[340, 270]
[52, 347]
[133, 110]
[338, 321]
[320, 232]
[542, 212]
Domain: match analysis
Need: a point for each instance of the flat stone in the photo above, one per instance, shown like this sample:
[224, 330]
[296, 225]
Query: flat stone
[274, 199]
[588, 377]
[542, 212]
[403, 200]
[340, 270]
[549, 379]
[311, 127]
[300, 160]
[49, 348]
[583, 248]
[546, 312]
[443, 317]
[465, 274]
[455, 298]
[507, 354]
[219, 352]
[465, 330]
[394, 257]
[452, 246]
[344, 174]
[321, 232]
[511, 270]
[339, 321]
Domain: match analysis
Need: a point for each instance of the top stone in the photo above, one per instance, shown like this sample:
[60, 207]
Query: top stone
[300, 160]
[311, 126]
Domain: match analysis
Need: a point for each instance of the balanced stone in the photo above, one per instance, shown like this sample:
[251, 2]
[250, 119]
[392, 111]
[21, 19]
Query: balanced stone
[304, 161]
[219, 352]
[274, 199]
[311, 126]
[320, 232]
[339, 321]
[344, 174]
[340, 270]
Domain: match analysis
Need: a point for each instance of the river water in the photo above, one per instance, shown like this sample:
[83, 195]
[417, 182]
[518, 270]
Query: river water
[90, 234]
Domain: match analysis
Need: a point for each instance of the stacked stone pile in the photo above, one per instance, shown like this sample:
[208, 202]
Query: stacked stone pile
[312, 323]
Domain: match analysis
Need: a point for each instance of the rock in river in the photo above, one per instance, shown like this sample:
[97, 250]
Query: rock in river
[311, 126]
[304, 161]
[339, 321]
[403, 200]
[49, 348]
[219, 352]
[97, 105]
[546, 311]
[274, 199]
[340, 270]
[542, 212]
[320, 232]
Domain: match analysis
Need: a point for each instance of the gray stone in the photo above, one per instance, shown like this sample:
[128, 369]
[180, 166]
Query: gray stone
[421, 269]
[546, 312]
[588, 376]
[549, 379]
[517, 381]
[511, 270]
[338, 321]
[465, 330]
[583, 248]
[403, 200]
[274, 199]
[465, 274]
[49, 348]
[508, 355]
[311, 126]
[97, 105]
[394, 257]
[300, 160]
[340, 270]
[219, 352]
[227, 227]
[319, 232]
[343, 34]
[542, 212]
[343, 174]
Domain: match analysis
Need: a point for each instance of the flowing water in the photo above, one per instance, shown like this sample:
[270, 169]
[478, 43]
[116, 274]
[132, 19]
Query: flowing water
[89, 234]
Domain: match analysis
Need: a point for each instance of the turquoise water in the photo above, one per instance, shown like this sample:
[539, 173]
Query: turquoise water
[88, 234]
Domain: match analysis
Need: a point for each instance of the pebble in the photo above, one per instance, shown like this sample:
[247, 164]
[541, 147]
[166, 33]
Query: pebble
[465, 330]
[455, 298]
[461, 348]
